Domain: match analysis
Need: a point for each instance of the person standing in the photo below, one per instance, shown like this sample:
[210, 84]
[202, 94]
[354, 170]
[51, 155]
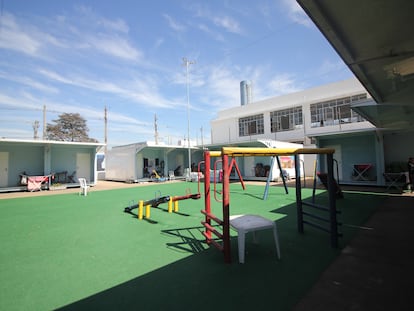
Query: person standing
[411, 173]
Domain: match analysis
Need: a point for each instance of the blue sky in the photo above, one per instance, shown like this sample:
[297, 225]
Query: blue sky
[127, 55]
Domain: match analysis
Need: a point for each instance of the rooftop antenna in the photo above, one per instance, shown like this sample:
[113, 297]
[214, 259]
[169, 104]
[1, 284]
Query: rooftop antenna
[187, 63]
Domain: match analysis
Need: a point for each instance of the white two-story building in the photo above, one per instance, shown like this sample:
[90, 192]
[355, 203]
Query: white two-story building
[321, 116]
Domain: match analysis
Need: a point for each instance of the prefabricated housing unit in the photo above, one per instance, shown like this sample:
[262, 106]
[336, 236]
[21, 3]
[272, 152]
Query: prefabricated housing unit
[45, 157]
[136, 162]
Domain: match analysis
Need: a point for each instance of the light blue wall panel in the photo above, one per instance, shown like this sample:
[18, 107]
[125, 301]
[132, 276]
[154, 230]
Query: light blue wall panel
[22, 158]
[64, 159]
[359, 149]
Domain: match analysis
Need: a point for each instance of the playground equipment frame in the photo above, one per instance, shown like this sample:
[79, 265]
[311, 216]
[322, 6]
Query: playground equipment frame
[227, 152]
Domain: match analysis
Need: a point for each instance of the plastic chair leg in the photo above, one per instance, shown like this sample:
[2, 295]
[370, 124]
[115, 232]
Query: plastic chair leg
[241, 237]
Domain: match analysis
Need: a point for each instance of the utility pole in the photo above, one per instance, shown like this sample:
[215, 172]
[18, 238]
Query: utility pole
[35, 129]
[187, 63]
[44, 122]
[155, 129]
[202, 138]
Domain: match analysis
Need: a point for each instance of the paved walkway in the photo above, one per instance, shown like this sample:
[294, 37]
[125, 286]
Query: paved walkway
[101, 185]
[376, 270]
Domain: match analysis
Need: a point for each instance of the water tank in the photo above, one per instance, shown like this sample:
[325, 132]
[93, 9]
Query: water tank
[245, 92]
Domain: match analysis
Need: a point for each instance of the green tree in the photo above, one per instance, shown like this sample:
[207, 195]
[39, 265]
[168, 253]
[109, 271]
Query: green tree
[69, 127]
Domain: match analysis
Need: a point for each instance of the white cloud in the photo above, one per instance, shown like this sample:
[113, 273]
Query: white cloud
[328, 67]
[228, 23]
[117, 25]
[95, 21]
[296, 13]
[223, 85]
[159, 42]
[17, 102]
[29, 82]
[173, 24]
[216, 35]
[125, 119]
[115, 46]
[141, 91]
[25, 108]
[13, 37]
[112, 38]
[282, 84]
[222, 21]
[54, 76]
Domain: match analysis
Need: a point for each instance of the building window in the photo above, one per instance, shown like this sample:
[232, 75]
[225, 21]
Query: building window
[286, 120]
[336, 111]
[251, 125]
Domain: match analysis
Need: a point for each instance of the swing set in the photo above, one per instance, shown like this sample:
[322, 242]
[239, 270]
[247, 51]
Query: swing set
[214, 233]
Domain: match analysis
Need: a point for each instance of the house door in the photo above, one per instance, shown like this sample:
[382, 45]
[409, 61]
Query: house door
[4, 169]
[83, 166]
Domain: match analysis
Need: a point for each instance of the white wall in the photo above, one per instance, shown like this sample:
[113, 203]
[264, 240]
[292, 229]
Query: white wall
[120, 163]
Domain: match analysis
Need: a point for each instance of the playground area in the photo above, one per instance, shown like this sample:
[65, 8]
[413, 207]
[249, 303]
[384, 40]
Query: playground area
[71, 252]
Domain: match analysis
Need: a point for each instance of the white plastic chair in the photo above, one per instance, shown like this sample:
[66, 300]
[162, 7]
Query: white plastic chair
[252, 223]
[83, 187]
[171, 175]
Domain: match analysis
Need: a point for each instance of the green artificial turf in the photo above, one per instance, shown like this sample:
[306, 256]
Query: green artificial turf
[84, 253]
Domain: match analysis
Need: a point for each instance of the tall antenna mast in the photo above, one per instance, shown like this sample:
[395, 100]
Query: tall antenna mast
[187, 63]
[44, 122]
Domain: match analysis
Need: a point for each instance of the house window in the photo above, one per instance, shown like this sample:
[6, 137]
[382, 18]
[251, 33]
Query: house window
[286, 120]
[251, 125]
[336, 111]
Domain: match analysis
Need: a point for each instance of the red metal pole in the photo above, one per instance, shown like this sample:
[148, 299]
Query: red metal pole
[233, 162]
[194, 196]
[207, 203]
[226, 209]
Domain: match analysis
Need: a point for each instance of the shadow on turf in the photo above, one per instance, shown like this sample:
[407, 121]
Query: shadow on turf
[189, 241]
[151, 221]
[144, 218]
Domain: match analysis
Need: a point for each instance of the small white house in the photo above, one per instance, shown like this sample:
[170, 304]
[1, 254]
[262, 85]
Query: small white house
[139, 161]
[65, 161]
